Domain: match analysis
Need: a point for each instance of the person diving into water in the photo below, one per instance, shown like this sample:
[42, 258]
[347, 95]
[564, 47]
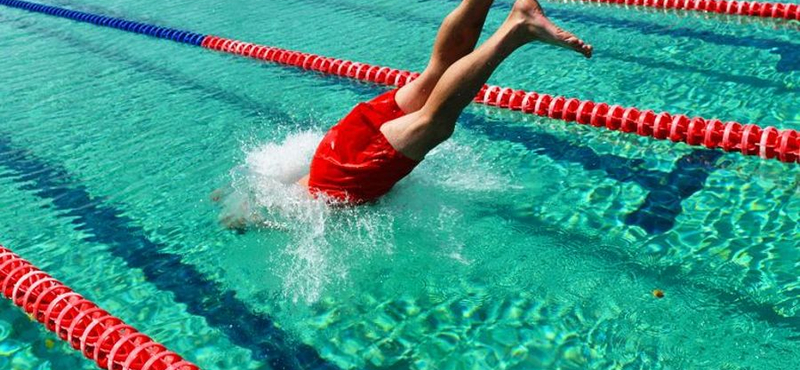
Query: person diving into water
[381, 141]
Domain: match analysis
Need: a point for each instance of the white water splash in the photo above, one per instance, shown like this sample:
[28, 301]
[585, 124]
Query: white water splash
[326, 244]
[461, 168]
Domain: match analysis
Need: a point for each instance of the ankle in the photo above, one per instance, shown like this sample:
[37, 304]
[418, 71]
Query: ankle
[517, 29]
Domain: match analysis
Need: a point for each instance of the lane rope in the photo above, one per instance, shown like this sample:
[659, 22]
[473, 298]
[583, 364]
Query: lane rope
[98, 335]
[747, 139]
[785, 11]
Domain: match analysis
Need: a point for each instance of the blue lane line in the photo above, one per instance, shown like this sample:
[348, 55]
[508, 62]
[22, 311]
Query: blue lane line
[185, 37]
[125, 240]
[667, 190]
[788, 51]
[663, 203]
[644, 61]
[656, 215]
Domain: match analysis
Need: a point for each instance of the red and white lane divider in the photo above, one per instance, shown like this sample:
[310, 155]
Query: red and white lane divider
[749, 139]
[742, 8]
[101, 337]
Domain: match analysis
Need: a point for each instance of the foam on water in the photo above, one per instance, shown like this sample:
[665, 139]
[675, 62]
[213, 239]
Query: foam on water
[265, 197]
[322, 245]
[461, 168]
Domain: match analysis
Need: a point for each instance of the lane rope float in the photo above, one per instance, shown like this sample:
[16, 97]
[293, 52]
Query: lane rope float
[98, 335]
[747, 139]
[785, 11]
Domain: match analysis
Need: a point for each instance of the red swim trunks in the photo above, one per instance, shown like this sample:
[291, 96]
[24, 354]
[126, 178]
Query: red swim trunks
[355, 163]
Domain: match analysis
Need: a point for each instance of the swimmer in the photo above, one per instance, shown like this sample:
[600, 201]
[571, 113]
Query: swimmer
[381, 141]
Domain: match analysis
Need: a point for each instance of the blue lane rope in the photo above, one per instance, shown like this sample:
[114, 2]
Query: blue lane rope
[167, 33]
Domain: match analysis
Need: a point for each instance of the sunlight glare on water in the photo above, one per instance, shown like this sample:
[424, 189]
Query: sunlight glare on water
[521, 243]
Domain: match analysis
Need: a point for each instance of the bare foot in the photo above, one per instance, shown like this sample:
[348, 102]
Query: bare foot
[538, 27]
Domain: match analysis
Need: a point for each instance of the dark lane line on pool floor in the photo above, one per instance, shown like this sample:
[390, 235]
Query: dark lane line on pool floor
[107, 225]
[648, 63]
[731, 302]
[788, 51]
[672, 67]
[369, 90]
[250, 107]
[666, 190]
[244, 327]
[656, 215]
[663, 203]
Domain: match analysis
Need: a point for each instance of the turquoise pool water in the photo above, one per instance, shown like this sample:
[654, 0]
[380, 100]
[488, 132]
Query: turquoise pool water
[523, 243]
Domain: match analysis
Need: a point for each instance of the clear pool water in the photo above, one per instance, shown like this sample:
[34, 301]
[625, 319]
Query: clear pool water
[523, 243]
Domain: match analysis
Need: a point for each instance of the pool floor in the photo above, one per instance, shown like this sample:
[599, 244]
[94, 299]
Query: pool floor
[521, 243]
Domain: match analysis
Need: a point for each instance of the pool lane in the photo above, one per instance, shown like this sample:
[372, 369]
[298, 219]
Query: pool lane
[611, 165]
[656, 215]
[786, 49]
[666, 190]
[108, 225]
[204, 297]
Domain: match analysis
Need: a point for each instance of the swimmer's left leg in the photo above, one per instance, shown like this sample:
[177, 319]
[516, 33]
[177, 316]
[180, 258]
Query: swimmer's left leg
[456, 38]
[415, 134]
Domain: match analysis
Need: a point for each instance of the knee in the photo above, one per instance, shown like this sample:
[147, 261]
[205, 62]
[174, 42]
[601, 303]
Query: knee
[437, 130]
[443, 132]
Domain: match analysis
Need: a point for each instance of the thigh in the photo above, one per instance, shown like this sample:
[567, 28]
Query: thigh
[414, 135]
[412, 97]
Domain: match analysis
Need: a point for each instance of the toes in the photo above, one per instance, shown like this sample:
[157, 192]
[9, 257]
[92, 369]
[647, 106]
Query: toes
[567, 38]
[574, 43]
[588, 50]
[585, 49]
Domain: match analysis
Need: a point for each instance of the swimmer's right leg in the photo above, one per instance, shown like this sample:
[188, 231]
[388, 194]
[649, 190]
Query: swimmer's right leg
[417, 133]
[456, 38]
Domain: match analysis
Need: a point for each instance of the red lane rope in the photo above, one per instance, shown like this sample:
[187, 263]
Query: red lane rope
[749, 139]
[743, 8]
[101, 337]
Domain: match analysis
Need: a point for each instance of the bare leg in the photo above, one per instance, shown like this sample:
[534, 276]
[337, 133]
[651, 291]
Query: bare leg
[457, 37]
[417, 133]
